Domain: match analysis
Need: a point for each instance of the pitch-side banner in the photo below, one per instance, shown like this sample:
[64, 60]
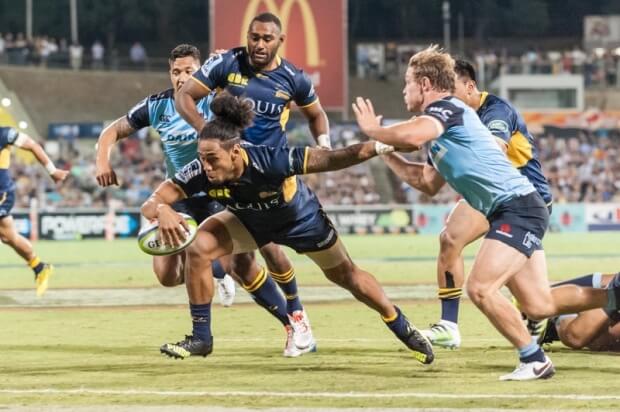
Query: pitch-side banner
[316, 38]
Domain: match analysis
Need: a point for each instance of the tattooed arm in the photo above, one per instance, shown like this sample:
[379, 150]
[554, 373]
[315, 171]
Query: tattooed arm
[119, 129]
[320, 160]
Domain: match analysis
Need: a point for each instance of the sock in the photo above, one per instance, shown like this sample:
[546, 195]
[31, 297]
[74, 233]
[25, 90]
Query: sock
[265, 292]
[398, 324]
[288, 285]
[218, 270]
[586, 281]
[531, 353]
[36, 265]
[450, 300]
[201, 321]
[612, 303]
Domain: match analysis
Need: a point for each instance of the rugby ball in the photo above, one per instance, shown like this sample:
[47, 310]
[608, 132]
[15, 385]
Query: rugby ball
[149, 242]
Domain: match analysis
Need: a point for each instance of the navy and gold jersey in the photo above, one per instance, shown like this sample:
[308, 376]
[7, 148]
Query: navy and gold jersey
[268, 198]
[8, 135]
[505, 123]
[269, 92]
[179, 140]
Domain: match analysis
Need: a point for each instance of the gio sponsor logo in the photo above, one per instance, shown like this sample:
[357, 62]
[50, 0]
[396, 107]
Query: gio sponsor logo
[284, 12]
[530, 240]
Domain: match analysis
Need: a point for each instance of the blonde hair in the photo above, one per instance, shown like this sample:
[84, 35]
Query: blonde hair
[435, 64]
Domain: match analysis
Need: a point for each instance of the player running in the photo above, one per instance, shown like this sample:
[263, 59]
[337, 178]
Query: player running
[179, 142]
[8, 233]
[269, 84]
[464, 153]
[465, 224]
[266, 202]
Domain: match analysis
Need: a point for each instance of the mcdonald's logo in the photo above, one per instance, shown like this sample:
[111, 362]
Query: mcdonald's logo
[284, 13]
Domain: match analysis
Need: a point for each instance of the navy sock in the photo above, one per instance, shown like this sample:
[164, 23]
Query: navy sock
[450, 309]
[218, 269]
[398, 325]
[201, 321]
[531, 353]
[586, 281]
[288, 285]
[265, 292]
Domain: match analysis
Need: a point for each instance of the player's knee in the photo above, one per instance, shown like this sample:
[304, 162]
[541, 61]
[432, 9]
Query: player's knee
[573, 340]
[539, 310]
[342, 274]
[170, 280]
[449, 246]
[476, 292]
[7, 238]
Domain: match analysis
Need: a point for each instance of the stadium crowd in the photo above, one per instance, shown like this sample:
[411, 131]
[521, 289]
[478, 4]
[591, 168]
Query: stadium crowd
[583, 167]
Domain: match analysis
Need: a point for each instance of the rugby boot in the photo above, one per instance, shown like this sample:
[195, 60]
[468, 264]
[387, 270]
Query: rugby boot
[41, 279]
[527, 371]
[443, 335]
[190, 346]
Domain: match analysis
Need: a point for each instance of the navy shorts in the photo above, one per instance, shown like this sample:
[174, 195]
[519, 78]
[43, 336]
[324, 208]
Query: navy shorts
[199, 207]
[520, 223]
[7, 201]
[313, 233]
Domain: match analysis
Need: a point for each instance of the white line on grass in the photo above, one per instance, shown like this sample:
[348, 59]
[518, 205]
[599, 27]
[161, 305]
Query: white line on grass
[341, 395]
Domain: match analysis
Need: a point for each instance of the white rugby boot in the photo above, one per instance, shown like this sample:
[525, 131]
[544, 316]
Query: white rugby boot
[304, 340]
[530, 371]
[226, 290]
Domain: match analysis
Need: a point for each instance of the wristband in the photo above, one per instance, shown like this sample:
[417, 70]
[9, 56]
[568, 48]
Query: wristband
[382, 148]
[50, 167]
[324, 141]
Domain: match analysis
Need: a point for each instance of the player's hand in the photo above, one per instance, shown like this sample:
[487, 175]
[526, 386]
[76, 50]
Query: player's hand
[106, 176]
[172, 227]
[59, 175]
[365, 115]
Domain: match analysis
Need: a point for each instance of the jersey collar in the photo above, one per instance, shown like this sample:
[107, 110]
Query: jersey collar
[483, 97]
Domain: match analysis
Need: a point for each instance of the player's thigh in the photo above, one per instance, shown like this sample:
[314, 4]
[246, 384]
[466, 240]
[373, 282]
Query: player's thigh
[333, 261]
[463, 226]
[530, 286]
[495, 264]
[223, 234]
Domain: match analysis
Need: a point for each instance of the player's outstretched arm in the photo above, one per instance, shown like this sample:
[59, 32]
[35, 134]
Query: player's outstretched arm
[158, 206]
[26, 142]
[117, 130]
[185, 103]
[420, 176]
[319, 160]
[410, 134]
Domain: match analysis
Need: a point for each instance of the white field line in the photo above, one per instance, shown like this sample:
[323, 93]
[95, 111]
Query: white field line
[330, 395]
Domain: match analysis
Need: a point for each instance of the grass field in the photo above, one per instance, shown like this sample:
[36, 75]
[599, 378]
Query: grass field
[109, 355]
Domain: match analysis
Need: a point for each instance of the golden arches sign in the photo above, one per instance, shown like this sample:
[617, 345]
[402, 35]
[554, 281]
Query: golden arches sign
[284, 13]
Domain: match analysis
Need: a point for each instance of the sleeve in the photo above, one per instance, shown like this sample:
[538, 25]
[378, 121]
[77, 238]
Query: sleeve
[279, 162]
[212, 74]
[297, 160]
[498, 119]
[8, 136]
[138, 117]
[191, 178]
[446, 112]
[305, 95]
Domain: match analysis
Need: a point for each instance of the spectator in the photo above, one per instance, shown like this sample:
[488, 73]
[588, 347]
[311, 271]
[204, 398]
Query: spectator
[137, 55]
[97, 52]
[75, 56]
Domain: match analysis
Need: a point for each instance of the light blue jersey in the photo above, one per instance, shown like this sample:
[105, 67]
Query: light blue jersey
[179, 140]
[469, 159]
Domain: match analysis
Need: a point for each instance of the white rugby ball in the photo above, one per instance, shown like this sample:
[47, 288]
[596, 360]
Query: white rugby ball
[149, 242]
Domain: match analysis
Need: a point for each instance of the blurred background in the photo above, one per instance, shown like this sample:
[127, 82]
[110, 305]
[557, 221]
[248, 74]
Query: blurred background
[68, 67]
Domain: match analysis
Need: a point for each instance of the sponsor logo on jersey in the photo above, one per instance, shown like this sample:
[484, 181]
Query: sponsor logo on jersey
[223, 193]
[264, 195]
[265, 108]
[499, 126]
[282, 94]
[443, 113]
[236, 79]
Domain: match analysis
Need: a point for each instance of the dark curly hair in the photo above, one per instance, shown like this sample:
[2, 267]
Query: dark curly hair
[232, 115]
